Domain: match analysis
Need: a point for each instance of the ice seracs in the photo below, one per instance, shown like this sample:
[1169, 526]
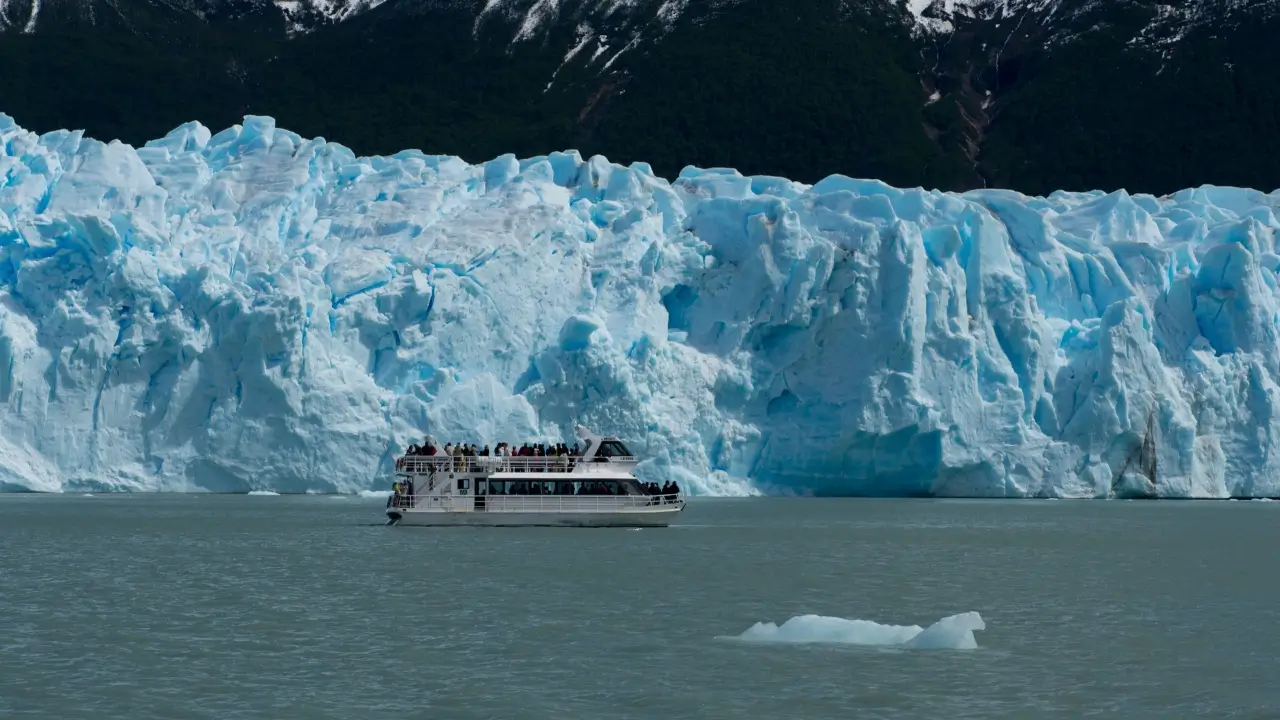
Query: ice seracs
[252, 310]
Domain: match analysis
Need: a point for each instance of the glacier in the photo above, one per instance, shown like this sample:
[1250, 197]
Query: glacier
[255, 311]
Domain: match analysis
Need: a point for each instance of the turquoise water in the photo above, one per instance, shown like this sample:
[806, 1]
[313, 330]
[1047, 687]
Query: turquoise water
[162, 606]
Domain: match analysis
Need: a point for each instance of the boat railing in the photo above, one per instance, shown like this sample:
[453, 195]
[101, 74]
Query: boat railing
[534, 503]
[488, 464]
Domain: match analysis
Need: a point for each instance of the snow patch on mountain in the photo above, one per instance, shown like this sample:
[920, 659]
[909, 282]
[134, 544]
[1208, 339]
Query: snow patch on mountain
[614, 18]
[19, 15]
[302, 16]
[543, 12]
[1062, 20]
[1170, 23]
[671, 10]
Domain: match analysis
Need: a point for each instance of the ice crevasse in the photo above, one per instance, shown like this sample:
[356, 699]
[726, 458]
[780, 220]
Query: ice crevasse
[252, 310]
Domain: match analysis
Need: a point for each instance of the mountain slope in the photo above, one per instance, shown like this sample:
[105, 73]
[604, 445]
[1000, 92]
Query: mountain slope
[1137, 94]
[1030, 94]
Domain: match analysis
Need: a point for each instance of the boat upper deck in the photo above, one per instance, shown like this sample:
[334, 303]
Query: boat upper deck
[491, 465]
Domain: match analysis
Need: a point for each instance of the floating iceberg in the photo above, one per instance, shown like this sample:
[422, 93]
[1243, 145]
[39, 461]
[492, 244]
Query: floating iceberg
[950, 633]
[223, 311]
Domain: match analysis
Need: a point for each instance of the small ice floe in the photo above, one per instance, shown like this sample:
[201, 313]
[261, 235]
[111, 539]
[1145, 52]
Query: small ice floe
[950, 633]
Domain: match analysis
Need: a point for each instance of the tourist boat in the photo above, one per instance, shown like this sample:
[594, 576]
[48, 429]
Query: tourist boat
[597, 488]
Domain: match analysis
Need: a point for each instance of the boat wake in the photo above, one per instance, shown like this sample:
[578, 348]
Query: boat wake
[950, 633]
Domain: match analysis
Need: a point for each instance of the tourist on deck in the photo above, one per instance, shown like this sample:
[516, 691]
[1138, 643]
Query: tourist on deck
[485, 451]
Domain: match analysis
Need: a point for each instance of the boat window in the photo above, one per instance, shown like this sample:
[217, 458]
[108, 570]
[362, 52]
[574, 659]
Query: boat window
[497, 487]
[464, 483]
[613, 448]
[481, 487]
[593, 487]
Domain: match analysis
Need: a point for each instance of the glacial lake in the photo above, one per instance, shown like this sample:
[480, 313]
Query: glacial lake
[130, 607]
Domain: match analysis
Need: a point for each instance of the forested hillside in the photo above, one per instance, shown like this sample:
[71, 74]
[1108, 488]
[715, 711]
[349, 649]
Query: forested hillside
[1063, 94]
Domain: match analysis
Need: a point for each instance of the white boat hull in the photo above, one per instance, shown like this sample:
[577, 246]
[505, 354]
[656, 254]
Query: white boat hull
[659, 516]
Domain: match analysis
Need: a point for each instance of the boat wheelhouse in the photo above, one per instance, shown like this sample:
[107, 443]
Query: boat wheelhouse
[597, 488]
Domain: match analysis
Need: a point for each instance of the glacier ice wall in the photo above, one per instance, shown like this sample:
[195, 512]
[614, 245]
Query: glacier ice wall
[254, 310]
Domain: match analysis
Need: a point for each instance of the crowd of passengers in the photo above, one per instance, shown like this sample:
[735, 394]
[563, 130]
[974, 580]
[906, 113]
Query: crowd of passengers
[502, 450]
